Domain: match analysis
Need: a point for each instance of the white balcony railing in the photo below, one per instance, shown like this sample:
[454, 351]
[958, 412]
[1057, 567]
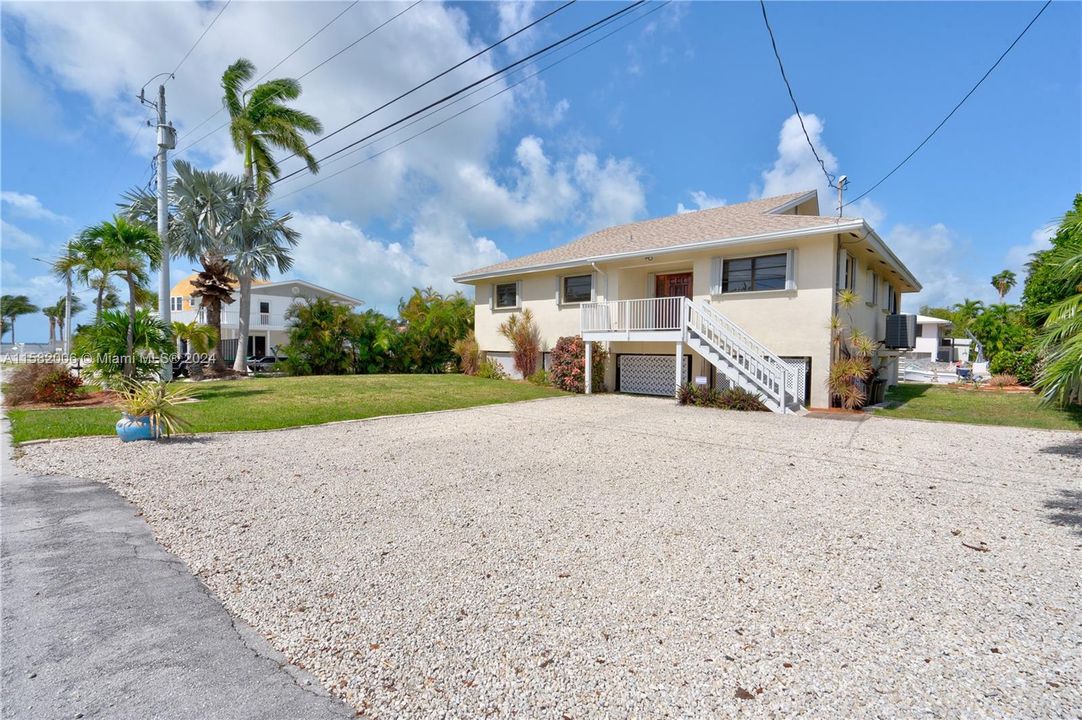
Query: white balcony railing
[624, 316]
[257, 320]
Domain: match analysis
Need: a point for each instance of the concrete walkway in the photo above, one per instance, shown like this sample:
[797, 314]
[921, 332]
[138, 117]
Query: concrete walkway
[101, 621]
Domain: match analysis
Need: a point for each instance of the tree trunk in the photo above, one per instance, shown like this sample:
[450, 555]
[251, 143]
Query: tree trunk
[214, 319]
[97, 305]
[52, 329]
[129, 364]
[12, 329]
[244, 312]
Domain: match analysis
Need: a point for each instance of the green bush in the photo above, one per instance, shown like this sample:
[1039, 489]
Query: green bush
[106, 344]
[1020, 363]
[469, 354]
[569, 365]
[541, 377]
[731, 399]
[491, 370]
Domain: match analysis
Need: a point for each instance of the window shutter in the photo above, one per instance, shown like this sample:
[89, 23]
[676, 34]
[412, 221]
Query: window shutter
[790, 269]
[492, 296]
[842, 255]
[559, 282]
[593, 287]
[715, 276]
[651, 285]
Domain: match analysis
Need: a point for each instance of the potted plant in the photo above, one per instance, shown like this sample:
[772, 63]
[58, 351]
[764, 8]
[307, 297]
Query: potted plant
[148, 410]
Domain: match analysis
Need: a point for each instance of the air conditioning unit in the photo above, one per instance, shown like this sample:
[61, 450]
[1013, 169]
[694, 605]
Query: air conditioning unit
[901, 332]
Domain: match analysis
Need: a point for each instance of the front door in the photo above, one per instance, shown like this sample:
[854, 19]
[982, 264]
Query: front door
[671, 285]
[257, 346]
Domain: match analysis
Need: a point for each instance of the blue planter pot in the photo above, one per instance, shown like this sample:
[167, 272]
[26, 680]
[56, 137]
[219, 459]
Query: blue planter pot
[130, 428]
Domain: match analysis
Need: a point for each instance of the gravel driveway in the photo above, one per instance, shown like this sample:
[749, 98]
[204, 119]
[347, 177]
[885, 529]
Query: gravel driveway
[611, 556]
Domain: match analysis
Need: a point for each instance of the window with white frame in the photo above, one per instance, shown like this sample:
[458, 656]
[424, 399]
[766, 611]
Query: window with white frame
[873, 289]
[505, 295]
[176, 302]
[577, 289]
[849, 277]
[750, 274]
[892, 300]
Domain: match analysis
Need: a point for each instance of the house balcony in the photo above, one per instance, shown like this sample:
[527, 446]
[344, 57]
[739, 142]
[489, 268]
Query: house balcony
[644, 319]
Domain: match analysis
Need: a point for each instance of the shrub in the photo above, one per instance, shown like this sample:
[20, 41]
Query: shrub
[731, 399]
[540, 377]
[491, 370]
[433, 323]
[41, 382]
[156, 400]
[846, 381]
[106, 344]
[1000, 381]
[740, 399]
[569, 365]
[1020, 363]
[525, 338]
[469, 354]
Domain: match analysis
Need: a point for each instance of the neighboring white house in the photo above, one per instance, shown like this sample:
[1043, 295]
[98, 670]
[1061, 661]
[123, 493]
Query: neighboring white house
[739, 294]
[934, 341]
[267, 326]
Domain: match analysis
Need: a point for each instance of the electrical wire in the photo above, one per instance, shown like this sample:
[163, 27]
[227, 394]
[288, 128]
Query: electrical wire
[799, 115]
[465, 110]
[198, 40]
[501, 71]
[278, 64]
[437, 76]
[956, 107]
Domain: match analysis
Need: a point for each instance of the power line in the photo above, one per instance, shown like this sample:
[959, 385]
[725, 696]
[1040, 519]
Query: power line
[799, 115]
[501, 71]
[467, 109]
[432, 79]
[300, 77]
[955, 108]
[198, 40]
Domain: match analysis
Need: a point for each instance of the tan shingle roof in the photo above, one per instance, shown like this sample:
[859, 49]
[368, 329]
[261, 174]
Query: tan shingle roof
[747, 219]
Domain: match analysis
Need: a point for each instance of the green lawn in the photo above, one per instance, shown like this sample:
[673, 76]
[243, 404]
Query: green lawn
[947, 404]
[266, 403]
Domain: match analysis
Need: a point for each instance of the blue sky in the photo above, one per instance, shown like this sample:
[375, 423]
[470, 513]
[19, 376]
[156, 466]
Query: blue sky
[684, 108]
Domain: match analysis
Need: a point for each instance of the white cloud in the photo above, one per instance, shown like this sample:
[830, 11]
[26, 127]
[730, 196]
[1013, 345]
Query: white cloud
[42, 289]
[25, 94]
[1019, 255]
[795, 169]
[15, 238]
[28, 206]
[702, 200]
[933, 254]
[341, 255]
[615, 189]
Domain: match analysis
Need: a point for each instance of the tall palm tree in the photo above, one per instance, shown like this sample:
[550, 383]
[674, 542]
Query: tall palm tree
[12, 306]
[259, 120]
[205, 208]
[51, 313]
[61, 311]
[1003, 282]
[91, 264]
[132, 246]
[262, 242]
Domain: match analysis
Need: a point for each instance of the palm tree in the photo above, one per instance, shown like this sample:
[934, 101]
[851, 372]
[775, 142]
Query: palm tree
[12, 306]
[205, 208]
[76, 308]
[130, 245]
[1059, 376]
[199, 339]
[92, 265]
[50, 312]
[1003, 282]
[260, 120]
[262, 243]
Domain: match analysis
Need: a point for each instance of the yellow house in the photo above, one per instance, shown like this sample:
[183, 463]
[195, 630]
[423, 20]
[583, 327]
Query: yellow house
[268, 328]
[740, 295]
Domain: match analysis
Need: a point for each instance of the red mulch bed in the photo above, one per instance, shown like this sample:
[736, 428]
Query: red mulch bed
[99, 398]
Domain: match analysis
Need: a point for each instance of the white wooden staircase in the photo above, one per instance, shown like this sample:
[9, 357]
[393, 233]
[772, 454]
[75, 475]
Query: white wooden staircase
[742, 359]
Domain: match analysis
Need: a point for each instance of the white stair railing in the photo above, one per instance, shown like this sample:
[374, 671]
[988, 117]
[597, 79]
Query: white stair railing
[751, 359]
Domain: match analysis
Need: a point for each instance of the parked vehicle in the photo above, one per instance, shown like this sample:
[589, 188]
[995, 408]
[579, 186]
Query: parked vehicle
[265, 363]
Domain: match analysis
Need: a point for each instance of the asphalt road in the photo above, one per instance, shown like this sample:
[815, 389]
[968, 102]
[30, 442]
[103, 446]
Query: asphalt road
[98, 620]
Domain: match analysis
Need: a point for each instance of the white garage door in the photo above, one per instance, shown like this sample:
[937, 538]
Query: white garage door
[648, 374]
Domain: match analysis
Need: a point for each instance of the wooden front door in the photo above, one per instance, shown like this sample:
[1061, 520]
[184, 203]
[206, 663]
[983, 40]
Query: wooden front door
[673, 285]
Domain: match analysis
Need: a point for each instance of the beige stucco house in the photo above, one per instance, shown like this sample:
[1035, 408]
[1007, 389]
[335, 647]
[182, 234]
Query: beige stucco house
[736, 295]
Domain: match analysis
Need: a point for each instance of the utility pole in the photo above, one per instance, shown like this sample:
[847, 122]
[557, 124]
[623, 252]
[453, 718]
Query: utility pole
[842, 182]
[167, 140]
